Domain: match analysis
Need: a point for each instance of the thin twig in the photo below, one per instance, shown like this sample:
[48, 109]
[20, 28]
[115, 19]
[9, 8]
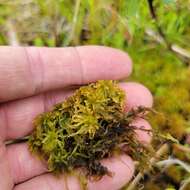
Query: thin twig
[183, 52]
[174, 48]
[163, 150]
[155, 18]
[173, 161]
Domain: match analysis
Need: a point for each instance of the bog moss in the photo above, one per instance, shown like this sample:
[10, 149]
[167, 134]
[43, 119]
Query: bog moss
[87, 127]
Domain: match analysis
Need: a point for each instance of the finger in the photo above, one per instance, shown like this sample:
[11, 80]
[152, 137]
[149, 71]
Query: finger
[25, 166]
[16, 117]
[25, 71]
[6, 182]
[136, 95]
[143, 136]
[121, 166]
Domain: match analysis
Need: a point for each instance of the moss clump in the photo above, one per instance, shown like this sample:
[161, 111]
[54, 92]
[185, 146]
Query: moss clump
[87, 127]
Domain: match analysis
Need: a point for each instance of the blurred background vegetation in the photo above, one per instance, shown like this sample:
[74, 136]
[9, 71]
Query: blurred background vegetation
[156, 34]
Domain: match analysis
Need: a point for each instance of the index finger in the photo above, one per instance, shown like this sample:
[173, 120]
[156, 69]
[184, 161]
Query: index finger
[26, 71]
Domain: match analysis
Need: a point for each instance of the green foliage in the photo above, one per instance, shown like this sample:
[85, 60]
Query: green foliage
[174, 18]
[89, 126]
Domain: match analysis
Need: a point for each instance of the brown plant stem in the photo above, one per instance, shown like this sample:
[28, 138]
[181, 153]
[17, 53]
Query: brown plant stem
[163, 150]
[155, 18]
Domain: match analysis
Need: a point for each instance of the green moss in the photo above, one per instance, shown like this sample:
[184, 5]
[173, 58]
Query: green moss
[87, 127]
[169, 83]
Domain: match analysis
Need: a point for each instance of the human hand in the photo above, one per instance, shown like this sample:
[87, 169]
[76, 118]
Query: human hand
[31, 81]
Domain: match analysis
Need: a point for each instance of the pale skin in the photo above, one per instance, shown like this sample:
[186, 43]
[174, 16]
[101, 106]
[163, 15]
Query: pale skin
[31, 81]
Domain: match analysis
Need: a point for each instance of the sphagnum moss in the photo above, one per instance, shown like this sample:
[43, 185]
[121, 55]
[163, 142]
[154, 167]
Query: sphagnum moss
[87, 127]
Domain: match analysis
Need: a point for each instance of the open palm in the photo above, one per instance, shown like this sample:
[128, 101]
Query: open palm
[31, 81]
